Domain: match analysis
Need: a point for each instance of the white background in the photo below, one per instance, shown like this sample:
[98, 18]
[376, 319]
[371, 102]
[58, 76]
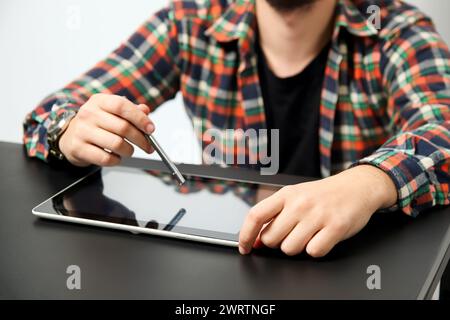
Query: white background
[42, 49]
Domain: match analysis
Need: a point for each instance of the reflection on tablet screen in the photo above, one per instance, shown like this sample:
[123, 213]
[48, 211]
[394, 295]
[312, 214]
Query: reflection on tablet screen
[151, 199]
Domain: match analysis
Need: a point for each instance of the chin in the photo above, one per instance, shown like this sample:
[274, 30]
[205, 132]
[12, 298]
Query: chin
[284, 5]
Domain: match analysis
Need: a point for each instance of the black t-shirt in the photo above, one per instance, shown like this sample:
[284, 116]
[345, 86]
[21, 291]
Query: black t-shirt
[292, 105]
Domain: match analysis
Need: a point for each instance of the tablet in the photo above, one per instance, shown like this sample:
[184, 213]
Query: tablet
[149, 201]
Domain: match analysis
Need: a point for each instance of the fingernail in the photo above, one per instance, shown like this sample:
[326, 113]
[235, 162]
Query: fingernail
[149, 128]
[242, 250]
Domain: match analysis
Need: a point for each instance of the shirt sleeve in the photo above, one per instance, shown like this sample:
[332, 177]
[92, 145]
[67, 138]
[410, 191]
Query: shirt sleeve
[416, 74]
[144, 69]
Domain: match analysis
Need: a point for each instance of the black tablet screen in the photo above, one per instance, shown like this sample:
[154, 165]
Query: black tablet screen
[151, 199]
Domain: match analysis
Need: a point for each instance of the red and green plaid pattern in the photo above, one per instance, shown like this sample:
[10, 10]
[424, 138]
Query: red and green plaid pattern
[385, 100]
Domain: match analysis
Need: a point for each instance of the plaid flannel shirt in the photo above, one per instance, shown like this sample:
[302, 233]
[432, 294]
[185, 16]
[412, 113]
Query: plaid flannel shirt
[385, 98]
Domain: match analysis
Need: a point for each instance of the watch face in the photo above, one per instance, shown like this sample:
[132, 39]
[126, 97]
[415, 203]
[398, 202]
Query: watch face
[53, 128]
[58, 124]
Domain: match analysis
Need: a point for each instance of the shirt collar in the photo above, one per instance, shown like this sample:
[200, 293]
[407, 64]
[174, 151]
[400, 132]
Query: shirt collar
[238, 21]
[351, 18]
[235, 23]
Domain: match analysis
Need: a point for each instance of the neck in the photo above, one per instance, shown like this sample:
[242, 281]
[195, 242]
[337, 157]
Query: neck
[290, 40]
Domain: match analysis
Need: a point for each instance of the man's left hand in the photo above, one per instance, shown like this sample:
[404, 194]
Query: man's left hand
[315, 216]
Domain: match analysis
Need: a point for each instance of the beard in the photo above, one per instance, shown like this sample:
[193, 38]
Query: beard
[287, 5]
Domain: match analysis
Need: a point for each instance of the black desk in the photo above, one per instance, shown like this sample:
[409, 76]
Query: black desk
[34, 253]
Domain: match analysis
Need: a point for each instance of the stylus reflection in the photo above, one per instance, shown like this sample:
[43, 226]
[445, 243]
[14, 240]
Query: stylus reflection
[175, 219]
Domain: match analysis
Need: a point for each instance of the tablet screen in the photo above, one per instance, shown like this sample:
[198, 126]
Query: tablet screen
[151, 199]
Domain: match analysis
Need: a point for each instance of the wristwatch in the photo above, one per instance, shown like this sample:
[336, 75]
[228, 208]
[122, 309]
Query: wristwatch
[55, 131]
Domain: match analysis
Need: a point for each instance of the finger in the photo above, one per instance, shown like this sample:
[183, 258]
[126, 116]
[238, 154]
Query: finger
[145, 109]
[127, 110]
[278, 229]
[323, 242]
[95, 155]
[260, 214]
[258, 243]
[110, 141]
[299, 237]
[123, 128]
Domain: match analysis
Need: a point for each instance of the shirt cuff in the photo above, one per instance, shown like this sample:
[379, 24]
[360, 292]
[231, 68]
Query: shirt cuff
[409, 176]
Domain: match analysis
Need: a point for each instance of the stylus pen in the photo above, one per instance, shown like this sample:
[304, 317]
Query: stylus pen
[165, 158]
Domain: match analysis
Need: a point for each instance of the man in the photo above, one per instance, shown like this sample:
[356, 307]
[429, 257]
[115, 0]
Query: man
[367, 109]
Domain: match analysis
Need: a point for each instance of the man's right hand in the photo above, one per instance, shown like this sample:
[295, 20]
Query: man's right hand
[100, 131]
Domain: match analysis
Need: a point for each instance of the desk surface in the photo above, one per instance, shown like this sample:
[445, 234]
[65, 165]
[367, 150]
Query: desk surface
[411, 253]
